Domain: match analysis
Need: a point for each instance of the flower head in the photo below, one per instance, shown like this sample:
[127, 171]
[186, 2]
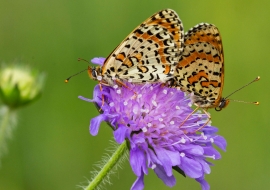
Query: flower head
[151, 122]
[19, 85]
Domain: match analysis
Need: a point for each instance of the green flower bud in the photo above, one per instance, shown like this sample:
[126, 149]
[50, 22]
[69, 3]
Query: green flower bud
[20, 85]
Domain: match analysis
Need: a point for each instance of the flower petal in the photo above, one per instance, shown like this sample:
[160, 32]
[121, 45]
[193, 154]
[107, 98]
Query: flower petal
[191, 168]
[211, 152]
[168, 180]
[203, 183]
[139, 183]
[98, 60]
[137, 160]
[220, 142]
[86, 99]
[194, 150]
[95, 123]
[165, 160]
[120, 133]
[205, 166]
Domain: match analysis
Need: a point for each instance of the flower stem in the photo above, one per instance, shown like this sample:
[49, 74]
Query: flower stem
[108, 166]
[4, 125]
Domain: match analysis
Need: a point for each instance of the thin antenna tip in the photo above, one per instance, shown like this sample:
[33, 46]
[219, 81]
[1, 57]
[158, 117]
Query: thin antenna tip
[258, 78]
[66, 81]
[256, 103]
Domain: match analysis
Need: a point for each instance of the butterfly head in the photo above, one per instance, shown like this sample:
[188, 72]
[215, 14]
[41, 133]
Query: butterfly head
[223, 103]
[95, 72]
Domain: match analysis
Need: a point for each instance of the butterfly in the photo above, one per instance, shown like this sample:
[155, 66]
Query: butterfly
[200, 70]
[149, 53]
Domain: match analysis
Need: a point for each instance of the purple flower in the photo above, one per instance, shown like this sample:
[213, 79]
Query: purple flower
[98, 60]
[151, 121]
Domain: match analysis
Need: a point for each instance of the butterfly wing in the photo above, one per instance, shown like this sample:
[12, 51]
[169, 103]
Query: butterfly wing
[150, 52]
[201, 67]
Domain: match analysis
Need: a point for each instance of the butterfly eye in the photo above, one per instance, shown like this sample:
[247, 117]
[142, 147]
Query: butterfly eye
[223, 103]
[94, 73]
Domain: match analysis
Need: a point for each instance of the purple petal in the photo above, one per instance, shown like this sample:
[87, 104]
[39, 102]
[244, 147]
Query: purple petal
[138, 139]
[210, 130]
[168, 180]
[194, 150]
[203, 183]
[210, 151]
[205, 165]
[165, 160]
[220, 142]
[139, 183]
[95, 124]
[86, 99]
[191, 168]
[120, 133]
[174, 156]
[153, 157]
[137, 160]
[98, 60]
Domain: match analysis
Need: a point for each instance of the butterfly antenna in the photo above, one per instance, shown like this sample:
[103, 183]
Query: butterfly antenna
[256, 79]
[255, 103]
[66, 81]
[81, 59]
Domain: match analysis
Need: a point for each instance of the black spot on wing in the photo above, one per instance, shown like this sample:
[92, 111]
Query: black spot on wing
[216, 73]
[152, 76]
[140, 75]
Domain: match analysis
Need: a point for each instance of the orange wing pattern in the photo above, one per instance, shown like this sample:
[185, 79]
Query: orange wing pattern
[200, 70]
[150, 53]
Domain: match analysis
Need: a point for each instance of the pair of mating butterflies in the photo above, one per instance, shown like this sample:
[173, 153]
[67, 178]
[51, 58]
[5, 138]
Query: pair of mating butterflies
[159, 51]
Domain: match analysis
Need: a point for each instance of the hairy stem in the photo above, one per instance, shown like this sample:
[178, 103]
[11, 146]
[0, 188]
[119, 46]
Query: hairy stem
[114, 159]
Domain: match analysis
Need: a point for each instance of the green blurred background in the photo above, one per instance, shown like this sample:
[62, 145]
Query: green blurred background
[52, 148]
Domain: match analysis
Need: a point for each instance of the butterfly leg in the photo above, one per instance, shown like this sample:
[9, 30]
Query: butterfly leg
[209, 118]
[189, 116]
[120, 83]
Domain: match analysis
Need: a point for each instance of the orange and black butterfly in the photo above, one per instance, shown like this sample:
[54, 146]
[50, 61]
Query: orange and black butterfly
[149, 53]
